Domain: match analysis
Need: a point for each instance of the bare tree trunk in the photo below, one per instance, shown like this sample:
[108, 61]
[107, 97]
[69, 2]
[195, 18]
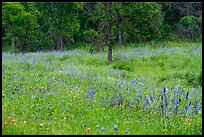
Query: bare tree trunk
[58, 43]
[13, 43]
[61, 43]
[110, 46]
[119, 37]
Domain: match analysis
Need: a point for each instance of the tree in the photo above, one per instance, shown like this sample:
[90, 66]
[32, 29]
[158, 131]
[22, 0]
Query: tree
[62, 21]
[106, 14]
[20, 25]
[145, 20]
[173, 12]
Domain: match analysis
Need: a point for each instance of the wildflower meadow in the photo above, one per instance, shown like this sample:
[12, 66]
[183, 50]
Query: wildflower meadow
[144, 91]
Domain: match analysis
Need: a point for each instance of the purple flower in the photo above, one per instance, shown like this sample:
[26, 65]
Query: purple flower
[115, 128]
[165, 89]
[189, 104]
[152, 97]
[146, 100]
[179, 100]
[36, 116]
[84, 125]
[126, 131]
[166, 102]
[11, 98]
[102, 129]
[187, 95]
[119, 86]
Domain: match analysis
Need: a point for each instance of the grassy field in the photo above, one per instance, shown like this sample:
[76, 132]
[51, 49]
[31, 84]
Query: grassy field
[144, 91]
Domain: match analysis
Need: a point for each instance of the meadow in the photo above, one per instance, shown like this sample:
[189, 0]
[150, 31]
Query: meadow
[145, 91]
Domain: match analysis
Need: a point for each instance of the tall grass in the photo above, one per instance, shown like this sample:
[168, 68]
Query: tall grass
[144, 91]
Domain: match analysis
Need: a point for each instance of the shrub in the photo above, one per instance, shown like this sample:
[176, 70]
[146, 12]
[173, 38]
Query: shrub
[64, 57]
[123, 65]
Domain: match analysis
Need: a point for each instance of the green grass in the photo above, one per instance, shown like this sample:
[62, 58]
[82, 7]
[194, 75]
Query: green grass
[58, 92]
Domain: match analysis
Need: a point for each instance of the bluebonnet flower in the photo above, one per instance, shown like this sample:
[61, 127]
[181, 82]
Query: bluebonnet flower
[89, 95]
[179, 100]
[166, 102]
[173, 102]
[84, 125]
[162, 106]
[36, 116]
[10, 87]
[7, 92]
[11, 98]
[140, 96]
[189, 104]
[159, 97]
[165, 89]
[72, 119]
[184, 116]
[129, 106]
[102, 129]
[146, 100]
[119, 86]
[152, 97]
[128, 118]
[187, 95]
[189, 110]
[126, 131]
[97, 126]
[72, 85]
[115, 127]
[196, 106]
[137, 100]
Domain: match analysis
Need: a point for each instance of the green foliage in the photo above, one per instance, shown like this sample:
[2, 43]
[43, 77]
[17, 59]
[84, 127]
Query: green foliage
[200, 20]
[64, 57]
[19, 22]
[58, 26]
[192, 78]
[144, 21]
[123, 65]
[187, 20]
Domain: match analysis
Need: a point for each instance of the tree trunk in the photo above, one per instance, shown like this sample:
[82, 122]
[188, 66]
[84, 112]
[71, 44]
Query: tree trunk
[58, 43]
[61, 43]
[119, 37]
[13, 43]
[110, 46]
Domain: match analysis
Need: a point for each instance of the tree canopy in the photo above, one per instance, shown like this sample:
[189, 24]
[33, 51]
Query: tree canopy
[30, 26]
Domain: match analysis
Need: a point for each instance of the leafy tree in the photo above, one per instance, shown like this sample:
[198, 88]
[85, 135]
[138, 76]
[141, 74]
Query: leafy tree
[61, 21]
[19, 25]
[145, 20]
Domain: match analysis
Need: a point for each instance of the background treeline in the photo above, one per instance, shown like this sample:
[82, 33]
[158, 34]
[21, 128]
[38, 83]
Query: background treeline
[38, 26]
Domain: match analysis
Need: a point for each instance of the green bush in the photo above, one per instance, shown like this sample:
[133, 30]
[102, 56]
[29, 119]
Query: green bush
[192, 78]
[123, 65]
[159, 57]
[64, 57]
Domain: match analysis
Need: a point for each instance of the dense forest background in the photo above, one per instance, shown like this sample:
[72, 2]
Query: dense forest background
[30, 26]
